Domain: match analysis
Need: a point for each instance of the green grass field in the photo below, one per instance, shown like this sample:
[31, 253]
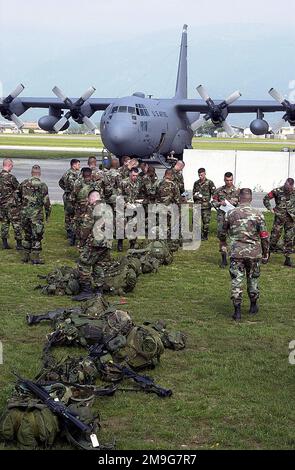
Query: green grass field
[95, 141]
[233, 387]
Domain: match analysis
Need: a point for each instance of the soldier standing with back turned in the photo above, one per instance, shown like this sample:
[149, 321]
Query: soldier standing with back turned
[34, 201]
[9, 205]
[249, 244]
[284, 211]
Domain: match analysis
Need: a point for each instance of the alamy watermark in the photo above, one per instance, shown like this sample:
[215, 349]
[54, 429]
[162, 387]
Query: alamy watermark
[1, 352]
[292, 352]
[151, 221]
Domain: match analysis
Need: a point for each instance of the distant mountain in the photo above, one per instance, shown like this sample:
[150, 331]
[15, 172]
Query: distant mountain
[249, 58]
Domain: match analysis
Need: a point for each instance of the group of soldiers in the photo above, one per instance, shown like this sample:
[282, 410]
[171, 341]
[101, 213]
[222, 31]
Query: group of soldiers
[23, 205]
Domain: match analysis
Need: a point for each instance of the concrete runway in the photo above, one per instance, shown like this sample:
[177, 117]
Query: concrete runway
[52, 170]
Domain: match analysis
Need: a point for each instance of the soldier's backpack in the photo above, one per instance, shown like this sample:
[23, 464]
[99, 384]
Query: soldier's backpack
[156, 249]
[142, 350]
[28, 423]
[62, 280]
[104, 324]
[149, 264]
[120, 280]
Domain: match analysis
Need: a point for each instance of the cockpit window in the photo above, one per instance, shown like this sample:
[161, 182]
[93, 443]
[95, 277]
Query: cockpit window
[131, 109]
[122, 109]
[141, 110]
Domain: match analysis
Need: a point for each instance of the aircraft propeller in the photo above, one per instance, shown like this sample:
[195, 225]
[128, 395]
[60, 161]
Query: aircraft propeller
[289, 115]
[74, 109]
[216, 112]
[5, 108]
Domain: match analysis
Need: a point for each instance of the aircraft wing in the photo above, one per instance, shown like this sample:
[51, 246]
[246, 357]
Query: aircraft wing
[240, 106]
[96, 104]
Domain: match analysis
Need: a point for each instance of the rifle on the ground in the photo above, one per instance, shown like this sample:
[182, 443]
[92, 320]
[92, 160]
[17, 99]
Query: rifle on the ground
[145, 383]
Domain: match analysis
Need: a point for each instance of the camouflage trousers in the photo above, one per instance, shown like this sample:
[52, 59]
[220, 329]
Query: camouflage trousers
[206, 218]
[10, 215]
[69, 214]
[237, 270]
[288, 225]
[33, 228]
[221, 235]
[89, 262]
[78, 221]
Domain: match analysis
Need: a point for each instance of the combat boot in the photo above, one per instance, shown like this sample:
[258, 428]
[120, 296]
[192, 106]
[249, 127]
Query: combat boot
[223, 263]
[19, 246]
[26, 257]
[86, 293]
[132, 244]
[253, 307]
[288, 262]
[120, 245]
[5, 244]
[35, 258]
[237, 314]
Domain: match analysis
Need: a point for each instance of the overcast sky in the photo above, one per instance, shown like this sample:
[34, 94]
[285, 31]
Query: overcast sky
[88, 19]
[245, 44]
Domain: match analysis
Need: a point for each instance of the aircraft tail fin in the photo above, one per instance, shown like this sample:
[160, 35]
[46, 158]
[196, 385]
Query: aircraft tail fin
[181, 83]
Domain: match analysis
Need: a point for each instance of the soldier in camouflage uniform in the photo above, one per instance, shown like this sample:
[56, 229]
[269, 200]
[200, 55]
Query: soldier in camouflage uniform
[178, 176]
[149, 185]
[168, 193]
[99, 178]
[34, 201]
[113, 180]
[130, 190]
[230, 193]
[95, 246]
[128, 165]
[9, 205]
[249, 243]
[203, 191]
[82, 187]
[284, 211]
[66, 183]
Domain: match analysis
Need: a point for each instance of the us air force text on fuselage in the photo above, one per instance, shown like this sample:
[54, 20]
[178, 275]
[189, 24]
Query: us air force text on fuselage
[148, 459]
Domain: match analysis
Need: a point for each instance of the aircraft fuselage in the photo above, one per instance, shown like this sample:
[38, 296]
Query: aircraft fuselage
[139, 126]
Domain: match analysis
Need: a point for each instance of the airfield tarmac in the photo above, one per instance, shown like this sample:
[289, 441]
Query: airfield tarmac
[53, 169]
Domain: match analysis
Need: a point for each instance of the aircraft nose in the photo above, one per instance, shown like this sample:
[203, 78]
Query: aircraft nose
[120, 133]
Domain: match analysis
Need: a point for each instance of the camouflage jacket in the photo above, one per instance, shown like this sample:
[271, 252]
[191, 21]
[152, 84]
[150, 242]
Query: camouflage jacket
[113, 185]
[67, 182]
[178, 178]
[99, 177]
[130, 191]
[9, 187]
[285, 202]
[34, 196]
[82, 189]
[202, 193]
[149, 188]
[247, 232]
[168, 192]
[124, 172]
[222, 193]
[90, 234]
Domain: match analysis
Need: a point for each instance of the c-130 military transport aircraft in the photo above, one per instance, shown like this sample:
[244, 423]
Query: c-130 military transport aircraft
[145, 127]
